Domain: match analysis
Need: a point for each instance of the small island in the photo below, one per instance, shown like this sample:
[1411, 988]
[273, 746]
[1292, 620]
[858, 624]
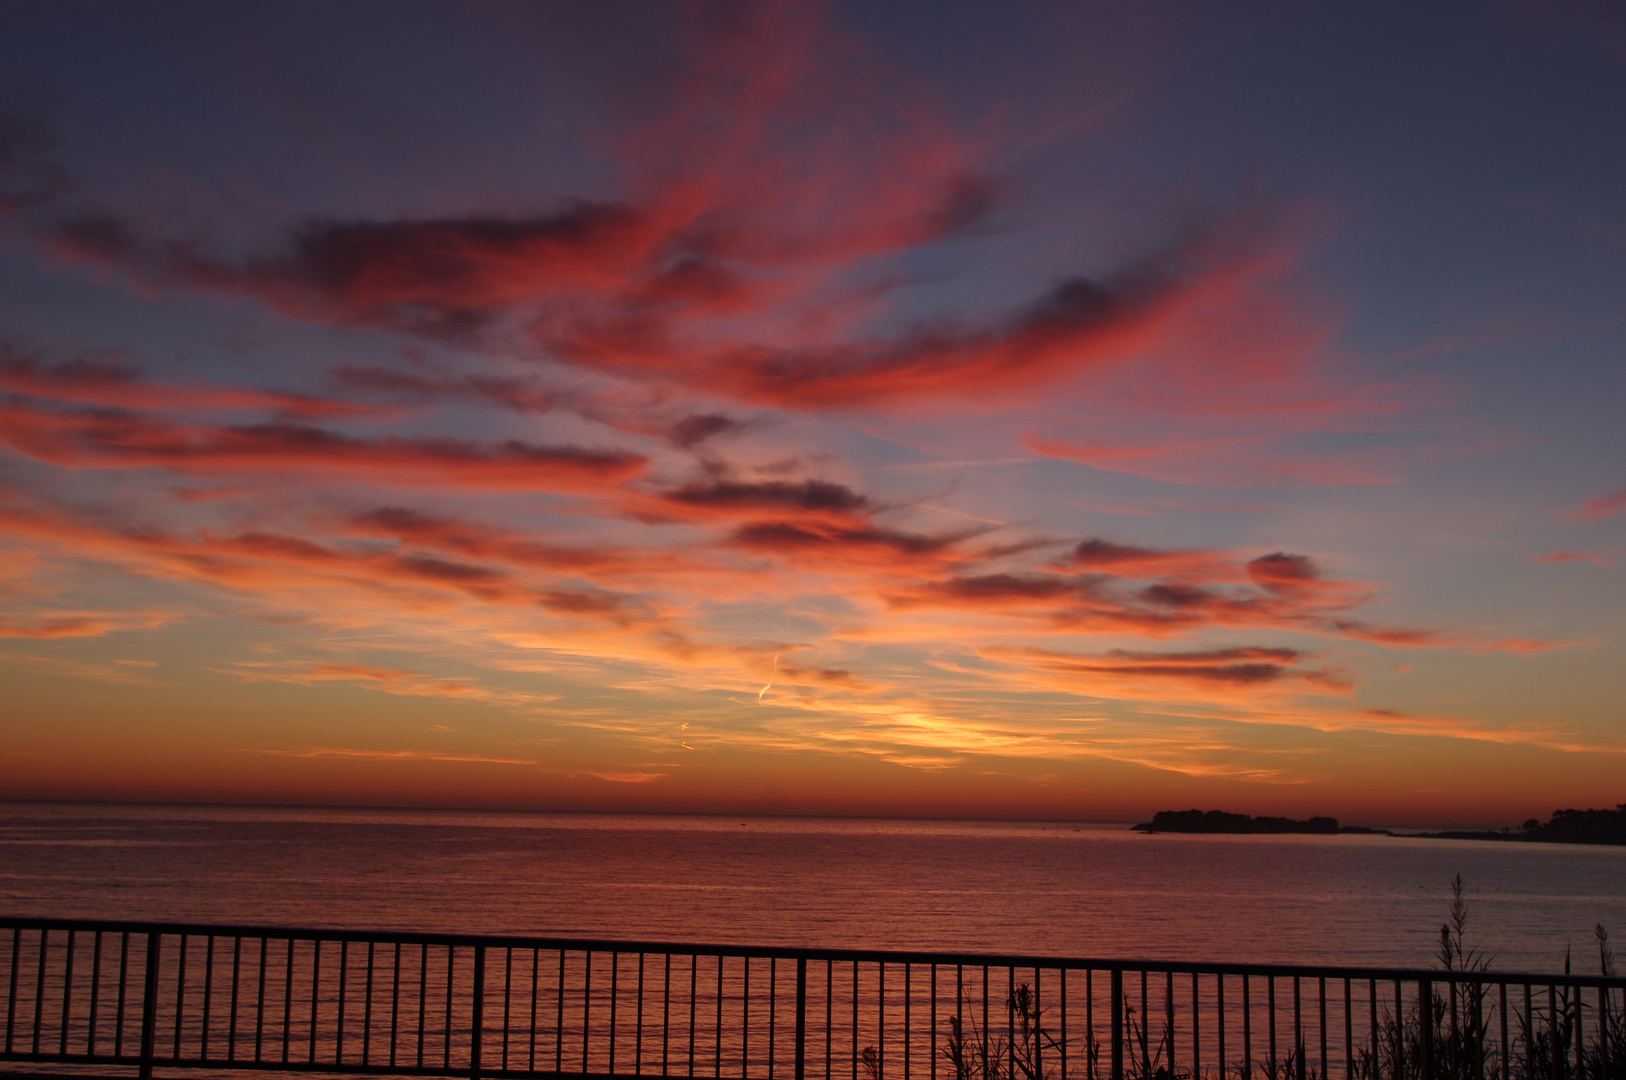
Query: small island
[1564, 827]
[1218, 821]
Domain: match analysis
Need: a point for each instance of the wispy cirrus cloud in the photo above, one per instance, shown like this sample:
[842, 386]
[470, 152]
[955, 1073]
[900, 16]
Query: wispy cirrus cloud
[1597, 558]
[1603, 506]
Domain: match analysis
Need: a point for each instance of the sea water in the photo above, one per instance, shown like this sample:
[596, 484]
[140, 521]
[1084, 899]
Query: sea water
[1082, 890]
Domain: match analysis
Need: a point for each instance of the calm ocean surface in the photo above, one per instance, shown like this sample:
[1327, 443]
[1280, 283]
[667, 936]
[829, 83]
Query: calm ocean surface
[1082, 890]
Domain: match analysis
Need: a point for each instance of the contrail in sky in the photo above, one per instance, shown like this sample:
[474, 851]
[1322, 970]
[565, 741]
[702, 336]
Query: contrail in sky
[771, 678]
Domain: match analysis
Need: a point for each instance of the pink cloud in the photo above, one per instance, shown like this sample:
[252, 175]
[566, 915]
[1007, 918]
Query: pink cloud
[1598, 558]
[1603, 506]
[117, 439]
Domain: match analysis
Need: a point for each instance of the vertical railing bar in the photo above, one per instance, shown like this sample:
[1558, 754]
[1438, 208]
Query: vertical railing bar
[745, 1018]
[1529, 1033]
[638, 1042]
[717, 1038]
[118, 1021]
[829, 1019]
[1453, 1048]
[149, 1007]
[1372, 994]
[880, 1039]
[367, 1010]
[536, 964]
[985, 1031]
[1348, 1030]
[1603, 1032]
[395, 1003]
[959, 997]
[1145, 1023]
[1399, 1017]
[316, 985]
[1196, 1029]
[1425, 1012]
[344, 976]
[1117, 1024]
[67, 991]
[288, 1001]
[39, 988]
[1321, 994]
[1270, 999]
[208, 995]
[446, 1041]
[1038, 1013]
[773, 1009]
[316, 989]
[694, 992]
[1247, 1027]
[1479, 1030]
[1168, 1017]
[259, 1001]
[11, 995]
[907, 975]
[507, 1000]
[180, 993]
[559, 1027]
[854, 1043]
[1219, 1019]
[1061, 976]
[1581, 1036]
[236, 976]
[1297, 1053]
[932, 1056]
[587, 1002]
[423, 999]
[477, 1012]
[1089, 1020]
[801, 1018]
[615, 975]
[95, 993]
[666, 1015]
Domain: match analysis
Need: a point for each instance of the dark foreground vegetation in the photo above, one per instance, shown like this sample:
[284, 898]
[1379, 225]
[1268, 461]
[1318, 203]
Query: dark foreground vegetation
[1467, 1034]
[1564, 827]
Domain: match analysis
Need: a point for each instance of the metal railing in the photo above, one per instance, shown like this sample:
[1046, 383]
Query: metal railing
[105, 998]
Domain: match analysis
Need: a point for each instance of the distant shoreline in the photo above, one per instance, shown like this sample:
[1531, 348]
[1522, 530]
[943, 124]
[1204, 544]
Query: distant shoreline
[1564, 827]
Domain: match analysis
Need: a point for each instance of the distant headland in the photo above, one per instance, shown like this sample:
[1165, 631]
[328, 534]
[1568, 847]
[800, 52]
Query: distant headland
[1564, 827]
[1218, 821]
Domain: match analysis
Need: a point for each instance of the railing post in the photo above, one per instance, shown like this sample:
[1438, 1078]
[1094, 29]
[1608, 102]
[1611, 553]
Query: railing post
[1425, 1022]
[1117, 1024]
[149, 1006]
[801, 1017]
[477, 1021]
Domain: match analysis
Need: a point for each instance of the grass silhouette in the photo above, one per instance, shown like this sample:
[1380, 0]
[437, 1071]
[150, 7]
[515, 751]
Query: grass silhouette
[1566, 1038]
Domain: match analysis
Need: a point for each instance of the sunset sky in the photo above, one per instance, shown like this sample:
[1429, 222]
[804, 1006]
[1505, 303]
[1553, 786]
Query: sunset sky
[1044, 410]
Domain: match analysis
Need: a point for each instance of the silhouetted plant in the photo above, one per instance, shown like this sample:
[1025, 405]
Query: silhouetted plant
[1544, 1043]
[1017, 1055]
[1154, 1062]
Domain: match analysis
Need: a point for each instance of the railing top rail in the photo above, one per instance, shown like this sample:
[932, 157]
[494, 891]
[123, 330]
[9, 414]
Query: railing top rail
[890, 956]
